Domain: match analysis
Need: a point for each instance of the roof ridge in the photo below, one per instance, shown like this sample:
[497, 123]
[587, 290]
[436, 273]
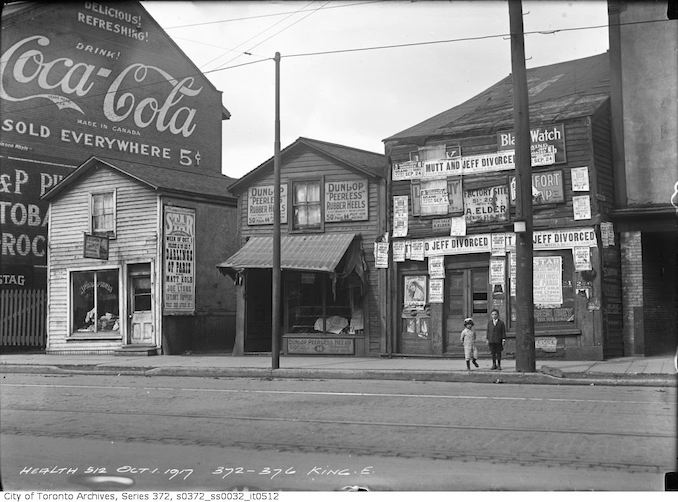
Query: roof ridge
[339, 145]
[154, 166]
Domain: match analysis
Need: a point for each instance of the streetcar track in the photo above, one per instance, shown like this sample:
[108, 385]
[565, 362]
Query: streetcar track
[339, 394]
[343, 422]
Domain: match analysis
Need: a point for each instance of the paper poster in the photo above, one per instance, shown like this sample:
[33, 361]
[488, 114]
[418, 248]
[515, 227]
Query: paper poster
[458, 226]
[512, 272]
[381, 254]
[488, 204]
[433, 197]
[400, 215]
[497, 270]
[582, 258]
[607, 234]
[580, 179]
[436, 289]
[398, 251]
[548, 281]
[498, 244]
[179, 260]
[408, 170]
[417, 250]
[581, 207]
[436, 267]
[415, 291]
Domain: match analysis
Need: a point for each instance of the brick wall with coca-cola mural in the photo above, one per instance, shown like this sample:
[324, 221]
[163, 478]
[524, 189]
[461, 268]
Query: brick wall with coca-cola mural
[83, 79]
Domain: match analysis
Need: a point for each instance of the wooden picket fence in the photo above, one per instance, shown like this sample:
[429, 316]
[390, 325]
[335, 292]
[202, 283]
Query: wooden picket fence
[23, 317]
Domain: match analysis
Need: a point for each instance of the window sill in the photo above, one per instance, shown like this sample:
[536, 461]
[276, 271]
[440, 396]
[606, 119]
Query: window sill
[81, 336]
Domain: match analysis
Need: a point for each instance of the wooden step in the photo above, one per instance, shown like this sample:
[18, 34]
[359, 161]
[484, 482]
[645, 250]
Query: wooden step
[137, 350]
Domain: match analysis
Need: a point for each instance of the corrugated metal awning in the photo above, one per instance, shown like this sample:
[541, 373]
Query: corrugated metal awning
[320, 253]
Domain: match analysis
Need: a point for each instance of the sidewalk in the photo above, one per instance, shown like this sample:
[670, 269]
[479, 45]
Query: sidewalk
[645, 371]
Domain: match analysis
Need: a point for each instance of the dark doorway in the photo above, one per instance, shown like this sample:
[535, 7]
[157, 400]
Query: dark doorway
[258, 307]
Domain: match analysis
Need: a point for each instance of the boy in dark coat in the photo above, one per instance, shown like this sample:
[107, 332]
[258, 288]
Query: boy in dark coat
[496, 334]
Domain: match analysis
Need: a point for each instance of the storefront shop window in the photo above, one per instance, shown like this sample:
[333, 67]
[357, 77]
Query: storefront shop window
[306, 203]
[95, 302]
[103, 213]
[313, 306]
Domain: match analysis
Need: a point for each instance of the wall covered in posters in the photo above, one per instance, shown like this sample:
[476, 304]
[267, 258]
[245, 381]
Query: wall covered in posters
[179, 261]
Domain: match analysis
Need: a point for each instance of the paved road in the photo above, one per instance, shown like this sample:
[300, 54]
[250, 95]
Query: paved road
[324, 435]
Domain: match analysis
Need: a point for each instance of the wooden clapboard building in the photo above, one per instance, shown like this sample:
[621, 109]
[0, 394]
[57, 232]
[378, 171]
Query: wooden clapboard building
[98, 94]
[131, 260]
[452, 209]
[331, 200]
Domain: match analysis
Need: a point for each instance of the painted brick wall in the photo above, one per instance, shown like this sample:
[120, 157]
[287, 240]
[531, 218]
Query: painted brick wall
[632, 289]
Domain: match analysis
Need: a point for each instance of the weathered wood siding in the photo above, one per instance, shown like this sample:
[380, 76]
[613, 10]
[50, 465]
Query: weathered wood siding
[136, 240]
[213, 326]
[310, 166]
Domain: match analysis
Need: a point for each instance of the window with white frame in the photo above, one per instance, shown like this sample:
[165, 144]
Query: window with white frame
[95, 302]
[102, 209]
[307, 205]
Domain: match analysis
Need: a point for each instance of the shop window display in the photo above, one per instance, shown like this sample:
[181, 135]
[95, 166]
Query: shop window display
[95, 303]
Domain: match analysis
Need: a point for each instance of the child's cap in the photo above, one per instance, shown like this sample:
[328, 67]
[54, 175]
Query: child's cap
[467, 321]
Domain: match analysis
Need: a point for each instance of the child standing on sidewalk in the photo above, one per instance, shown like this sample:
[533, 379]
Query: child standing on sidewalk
[468, 338]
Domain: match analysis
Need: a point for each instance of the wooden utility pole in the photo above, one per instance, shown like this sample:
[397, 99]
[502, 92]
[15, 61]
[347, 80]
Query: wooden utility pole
[275, 268]
[525, 352]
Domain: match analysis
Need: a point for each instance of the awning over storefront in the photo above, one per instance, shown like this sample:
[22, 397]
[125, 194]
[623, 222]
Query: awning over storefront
[318, 253]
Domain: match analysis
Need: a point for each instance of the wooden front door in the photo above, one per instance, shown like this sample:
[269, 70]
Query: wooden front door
[467, 295]
[141, 325]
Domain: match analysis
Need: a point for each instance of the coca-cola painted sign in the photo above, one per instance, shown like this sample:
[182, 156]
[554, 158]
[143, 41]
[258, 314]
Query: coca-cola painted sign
[96, 79]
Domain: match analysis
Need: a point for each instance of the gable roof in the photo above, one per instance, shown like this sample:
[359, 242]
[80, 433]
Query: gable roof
[368, 163]
[557, 92]
[160, 179]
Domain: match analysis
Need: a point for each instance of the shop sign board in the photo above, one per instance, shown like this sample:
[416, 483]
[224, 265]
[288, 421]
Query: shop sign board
[95, 246]
[320, 345]
[488, 204]
[547, 188]
[179, 260]
[346, 200]
[260, 204]
[101, 78]
[547, 144]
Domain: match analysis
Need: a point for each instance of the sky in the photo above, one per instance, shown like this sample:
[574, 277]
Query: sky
[359, 98]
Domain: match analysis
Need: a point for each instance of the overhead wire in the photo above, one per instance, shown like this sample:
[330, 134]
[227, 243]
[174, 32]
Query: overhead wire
[338, 51]
[268, 15]
[251, 38]
[280, 31]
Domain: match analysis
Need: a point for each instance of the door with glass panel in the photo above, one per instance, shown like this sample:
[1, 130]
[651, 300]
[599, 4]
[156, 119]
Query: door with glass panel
[141, 325]
[467, 295]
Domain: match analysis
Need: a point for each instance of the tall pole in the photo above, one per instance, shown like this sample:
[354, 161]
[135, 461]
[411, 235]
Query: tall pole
[525, 352]
[275, 286]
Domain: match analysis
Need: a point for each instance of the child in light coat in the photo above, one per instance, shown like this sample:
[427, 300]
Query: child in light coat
[468, 338]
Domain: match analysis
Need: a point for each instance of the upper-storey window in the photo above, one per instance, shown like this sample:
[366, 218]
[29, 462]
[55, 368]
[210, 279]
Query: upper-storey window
[102, 209]
[307, 205]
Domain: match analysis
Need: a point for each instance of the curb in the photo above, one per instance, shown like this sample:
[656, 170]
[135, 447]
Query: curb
[545, 376]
